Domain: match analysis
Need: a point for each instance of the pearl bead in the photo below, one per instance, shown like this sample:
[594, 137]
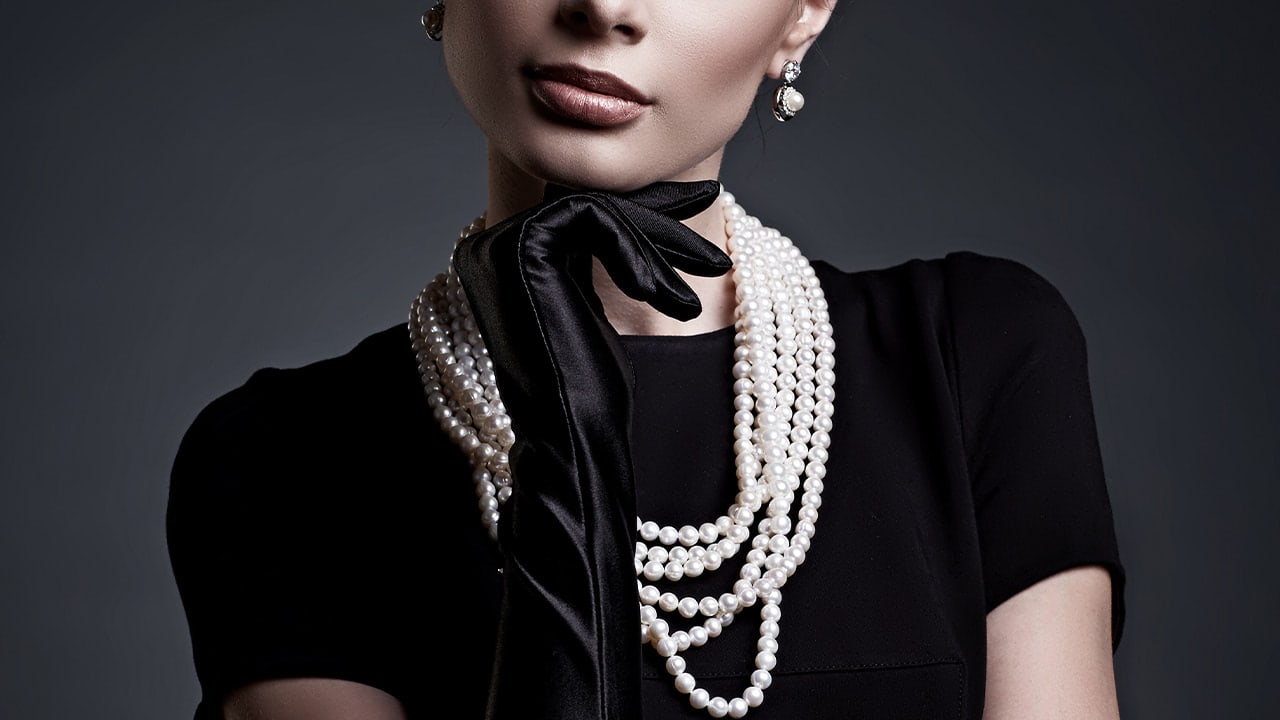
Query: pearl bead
[737, 707]
[708, 532]
[766, 660]
[698, 635]
[699, 698]
[688, 535]
[682, 640]
[688, 607]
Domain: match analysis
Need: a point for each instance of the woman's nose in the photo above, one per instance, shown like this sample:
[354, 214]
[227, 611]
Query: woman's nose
[628, 19]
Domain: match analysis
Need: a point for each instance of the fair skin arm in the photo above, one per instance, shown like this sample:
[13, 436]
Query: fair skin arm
[1048, 656]
[1049, 650]
[311, 699]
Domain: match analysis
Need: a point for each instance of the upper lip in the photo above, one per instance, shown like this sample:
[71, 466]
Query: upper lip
[596, 81]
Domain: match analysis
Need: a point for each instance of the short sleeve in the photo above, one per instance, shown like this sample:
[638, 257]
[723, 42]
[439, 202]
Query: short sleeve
[1039, 489]
[278, 571]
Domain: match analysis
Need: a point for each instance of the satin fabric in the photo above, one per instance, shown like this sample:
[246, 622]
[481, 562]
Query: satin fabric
[568, 643]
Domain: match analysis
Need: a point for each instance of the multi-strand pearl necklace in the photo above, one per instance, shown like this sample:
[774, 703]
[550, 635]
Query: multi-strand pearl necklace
[783, 401]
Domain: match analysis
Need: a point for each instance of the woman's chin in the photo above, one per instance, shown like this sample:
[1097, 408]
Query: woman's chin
[611, 168]
[608, 177]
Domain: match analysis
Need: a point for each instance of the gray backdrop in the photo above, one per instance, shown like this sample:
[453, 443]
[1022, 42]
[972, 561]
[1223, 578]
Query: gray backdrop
[195, 190]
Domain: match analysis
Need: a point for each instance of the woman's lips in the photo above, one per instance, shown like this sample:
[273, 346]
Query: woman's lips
[586, 97]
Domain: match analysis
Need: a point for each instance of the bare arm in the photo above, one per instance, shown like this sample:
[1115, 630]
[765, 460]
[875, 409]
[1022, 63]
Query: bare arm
[311, 699]
[1049, 650]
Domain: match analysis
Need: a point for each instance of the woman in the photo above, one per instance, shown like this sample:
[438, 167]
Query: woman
[587, 361]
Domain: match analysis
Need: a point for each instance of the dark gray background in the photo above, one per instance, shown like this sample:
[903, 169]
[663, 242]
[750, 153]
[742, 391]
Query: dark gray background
[195, 190]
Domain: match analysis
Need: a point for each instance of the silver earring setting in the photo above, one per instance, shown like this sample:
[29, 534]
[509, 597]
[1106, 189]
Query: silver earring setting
[787, 101]
[433, 21]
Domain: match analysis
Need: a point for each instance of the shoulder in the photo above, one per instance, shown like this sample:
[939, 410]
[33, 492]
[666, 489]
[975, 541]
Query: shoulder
[280, 399]
[1009, 322]
[976, 300]
[1006, 296]
[351, 372]
[976, 280]
[985, 323]
[268, 436]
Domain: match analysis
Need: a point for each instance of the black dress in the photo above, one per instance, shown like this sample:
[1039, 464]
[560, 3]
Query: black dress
[321, 525]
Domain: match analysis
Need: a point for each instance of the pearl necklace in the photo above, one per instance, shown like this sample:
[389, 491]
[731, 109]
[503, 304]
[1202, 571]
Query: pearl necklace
[783, 401]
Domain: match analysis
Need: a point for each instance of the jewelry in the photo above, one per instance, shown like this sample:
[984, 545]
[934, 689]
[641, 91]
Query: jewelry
[433, 21]
[783, 376]
[787, 101]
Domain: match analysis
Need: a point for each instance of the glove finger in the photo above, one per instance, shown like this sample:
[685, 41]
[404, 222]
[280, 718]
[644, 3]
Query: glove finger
[632, 261]
[641, 270]
[681, 246]
[679, 200]
[657, 209]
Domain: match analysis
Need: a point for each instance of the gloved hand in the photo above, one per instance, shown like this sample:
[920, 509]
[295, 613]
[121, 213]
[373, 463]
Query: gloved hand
[568, 636]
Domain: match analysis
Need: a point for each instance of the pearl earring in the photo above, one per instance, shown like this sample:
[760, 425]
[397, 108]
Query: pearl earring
[433, 21]
[787, 101]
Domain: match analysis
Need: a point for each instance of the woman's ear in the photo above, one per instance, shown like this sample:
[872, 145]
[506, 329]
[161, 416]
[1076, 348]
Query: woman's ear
[813, 17]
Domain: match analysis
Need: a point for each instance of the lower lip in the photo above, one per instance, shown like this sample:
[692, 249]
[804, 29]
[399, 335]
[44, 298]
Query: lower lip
[583, 106]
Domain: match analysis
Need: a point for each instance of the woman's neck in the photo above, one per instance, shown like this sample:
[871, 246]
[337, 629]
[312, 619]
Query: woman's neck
[511, 190]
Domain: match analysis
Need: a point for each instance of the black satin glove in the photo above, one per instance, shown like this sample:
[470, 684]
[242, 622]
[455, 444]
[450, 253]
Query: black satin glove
[568, 636]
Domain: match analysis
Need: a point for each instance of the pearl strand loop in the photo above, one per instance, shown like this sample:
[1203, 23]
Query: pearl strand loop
[783, 378]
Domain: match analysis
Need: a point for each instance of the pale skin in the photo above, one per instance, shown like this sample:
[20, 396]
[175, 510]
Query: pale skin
[1049, 647]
